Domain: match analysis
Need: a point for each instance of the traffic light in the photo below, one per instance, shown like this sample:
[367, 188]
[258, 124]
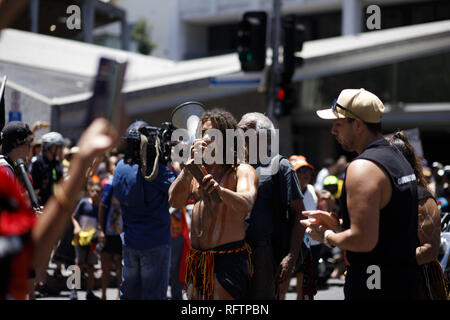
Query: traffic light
[251, 39]
[293, 38]
[286, 100]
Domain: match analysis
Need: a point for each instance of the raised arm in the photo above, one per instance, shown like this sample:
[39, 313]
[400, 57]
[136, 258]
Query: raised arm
[181, 189]
[244, 197]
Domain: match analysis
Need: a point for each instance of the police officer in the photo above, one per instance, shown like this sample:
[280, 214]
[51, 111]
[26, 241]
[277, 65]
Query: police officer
[46, 168]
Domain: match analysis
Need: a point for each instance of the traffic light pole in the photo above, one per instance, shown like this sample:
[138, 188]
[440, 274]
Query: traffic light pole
[275, 68]
[275, 71]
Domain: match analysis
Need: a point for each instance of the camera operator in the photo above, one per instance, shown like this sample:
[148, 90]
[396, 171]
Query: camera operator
[145, 212]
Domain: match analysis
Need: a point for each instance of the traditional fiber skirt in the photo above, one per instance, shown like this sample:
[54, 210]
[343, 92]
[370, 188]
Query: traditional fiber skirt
[229, 263]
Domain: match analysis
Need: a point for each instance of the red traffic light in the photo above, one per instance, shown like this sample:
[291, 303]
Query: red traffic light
[281, 94]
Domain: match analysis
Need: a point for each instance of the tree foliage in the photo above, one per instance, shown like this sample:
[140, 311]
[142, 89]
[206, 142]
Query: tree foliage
[141, 34]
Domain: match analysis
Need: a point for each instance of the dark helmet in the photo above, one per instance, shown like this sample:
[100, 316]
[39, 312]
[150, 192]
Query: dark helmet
[132, 140]
[14, 134]
[133, 129]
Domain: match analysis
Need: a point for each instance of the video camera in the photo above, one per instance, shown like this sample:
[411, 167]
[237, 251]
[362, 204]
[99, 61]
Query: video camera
[147, 146]
[157, 143]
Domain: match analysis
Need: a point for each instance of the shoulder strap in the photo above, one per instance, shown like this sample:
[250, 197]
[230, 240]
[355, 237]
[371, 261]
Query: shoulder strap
[5, 163]
[285, 207]
[277, 181]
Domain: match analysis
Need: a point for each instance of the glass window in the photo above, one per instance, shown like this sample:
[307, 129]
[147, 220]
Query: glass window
[413, 81]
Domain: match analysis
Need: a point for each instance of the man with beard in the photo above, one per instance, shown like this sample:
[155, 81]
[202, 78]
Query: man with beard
[378, 205]
[218, 265]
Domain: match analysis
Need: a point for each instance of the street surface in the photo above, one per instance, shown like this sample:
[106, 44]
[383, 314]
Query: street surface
[332, 291]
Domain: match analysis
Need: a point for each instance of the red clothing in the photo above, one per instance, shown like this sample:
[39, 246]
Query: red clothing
[16, 220]
[186, 246]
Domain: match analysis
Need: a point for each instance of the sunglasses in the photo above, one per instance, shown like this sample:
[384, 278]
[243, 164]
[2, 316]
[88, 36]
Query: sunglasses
[337, 105]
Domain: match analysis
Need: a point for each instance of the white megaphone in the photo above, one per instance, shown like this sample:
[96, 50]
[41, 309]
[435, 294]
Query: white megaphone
[187, 116]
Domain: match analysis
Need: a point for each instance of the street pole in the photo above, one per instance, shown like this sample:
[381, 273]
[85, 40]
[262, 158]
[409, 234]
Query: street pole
[275, 68]
[284, 124]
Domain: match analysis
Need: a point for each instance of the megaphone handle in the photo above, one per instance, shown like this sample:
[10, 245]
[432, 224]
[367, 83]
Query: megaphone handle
[198, 171]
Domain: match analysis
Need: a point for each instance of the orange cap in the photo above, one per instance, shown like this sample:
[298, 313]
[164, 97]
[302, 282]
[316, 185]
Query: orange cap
[299, 161]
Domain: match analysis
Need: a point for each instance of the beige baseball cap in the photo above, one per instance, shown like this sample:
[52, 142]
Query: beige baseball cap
[355, 103]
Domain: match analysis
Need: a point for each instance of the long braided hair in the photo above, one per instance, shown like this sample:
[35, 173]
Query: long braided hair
[223, 120]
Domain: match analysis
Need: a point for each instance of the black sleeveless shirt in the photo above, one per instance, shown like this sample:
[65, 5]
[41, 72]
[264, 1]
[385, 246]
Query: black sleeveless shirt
[394, 253]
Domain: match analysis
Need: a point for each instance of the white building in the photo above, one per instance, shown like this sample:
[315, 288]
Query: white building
[185, 29]
[406, 64]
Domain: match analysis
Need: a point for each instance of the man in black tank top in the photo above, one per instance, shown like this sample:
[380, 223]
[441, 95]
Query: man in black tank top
[378, 226]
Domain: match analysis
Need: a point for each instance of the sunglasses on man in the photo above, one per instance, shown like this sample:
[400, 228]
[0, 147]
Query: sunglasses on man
[337, 105]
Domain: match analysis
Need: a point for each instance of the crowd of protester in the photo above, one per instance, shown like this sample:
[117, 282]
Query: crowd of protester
[76, 203]
[93, 240]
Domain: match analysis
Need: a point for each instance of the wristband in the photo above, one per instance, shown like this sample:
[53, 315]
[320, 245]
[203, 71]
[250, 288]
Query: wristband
[325, 240]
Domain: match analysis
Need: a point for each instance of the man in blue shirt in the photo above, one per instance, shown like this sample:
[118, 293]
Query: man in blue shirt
[146, 224]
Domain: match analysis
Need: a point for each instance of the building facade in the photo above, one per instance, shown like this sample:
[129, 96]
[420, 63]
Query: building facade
[406, 63]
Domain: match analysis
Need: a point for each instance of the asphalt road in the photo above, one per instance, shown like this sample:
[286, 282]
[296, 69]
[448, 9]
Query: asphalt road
[332, 291]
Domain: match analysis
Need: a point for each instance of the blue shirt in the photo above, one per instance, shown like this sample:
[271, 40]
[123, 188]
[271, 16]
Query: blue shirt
[144, 205]
[86, 214]
[111, 212]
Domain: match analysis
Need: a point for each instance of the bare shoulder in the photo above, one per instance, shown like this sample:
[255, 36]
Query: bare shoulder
[245, 168]
[366, 172]
[246, 171]
[366, 182]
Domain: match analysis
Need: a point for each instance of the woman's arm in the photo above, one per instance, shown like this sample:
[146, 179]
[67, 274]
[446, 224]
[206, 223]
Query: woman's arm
[428, 231]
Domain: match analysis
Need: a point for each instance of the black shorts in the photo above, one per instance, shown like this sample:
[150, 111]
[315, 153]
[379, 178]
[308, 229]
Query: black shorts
[113, 245]
[229, 264]
[304, 259]
[232, 270]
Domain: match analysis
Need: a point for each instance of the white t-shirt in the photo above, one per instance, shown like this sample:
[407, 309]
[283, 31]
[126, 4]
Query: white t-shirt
[323, 173]
[310, 202]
